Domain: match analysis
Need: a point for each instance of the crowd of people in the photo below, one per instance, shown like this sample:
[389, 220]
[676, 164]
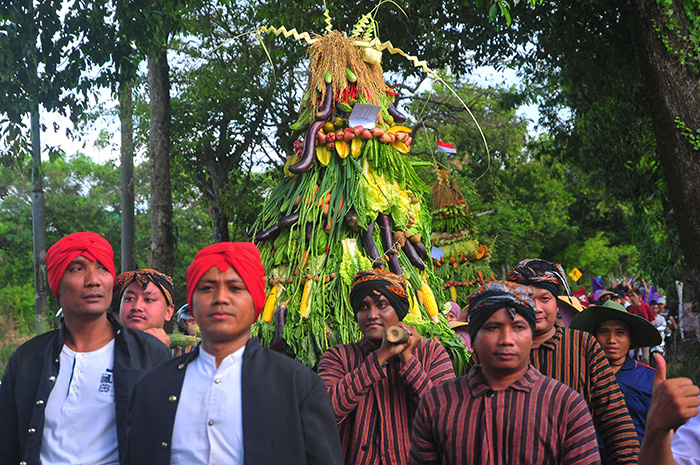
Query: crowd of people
[550, 381]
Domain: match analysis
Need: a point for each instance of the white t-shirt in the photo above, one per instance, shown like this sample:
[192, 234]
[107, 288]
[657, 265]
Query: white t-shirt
[81, 420]
[686, 443]
[208, 425]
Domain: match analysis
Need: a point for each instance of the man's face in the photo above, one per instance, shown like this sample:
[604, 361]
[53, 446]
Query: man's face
[546, 306]
[635, 299]
[374, 317]
[614, 337]
[503, 344]
[223, 308]
[143, 309]
[656, 309]
[85, 289]
[190, 327]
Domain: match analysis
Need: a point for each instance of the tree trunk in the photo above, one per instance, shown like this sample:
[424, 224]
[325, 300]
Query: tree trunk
[38, 230]
[220, 223]
[161, 251]
[673, 98]
[128, 233]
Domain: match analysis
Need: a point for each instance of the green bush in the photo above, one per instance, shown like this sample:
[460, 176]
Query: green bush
[17, 306]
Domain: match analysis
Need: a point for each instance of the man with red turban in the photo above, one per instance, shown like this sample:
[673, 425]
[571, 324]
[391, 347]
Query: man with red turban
[230, 400]
[65, 394]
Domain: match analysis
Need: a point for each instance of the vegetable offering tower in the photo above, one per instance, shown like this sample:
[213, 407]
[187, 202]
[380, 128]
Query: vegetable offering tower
[463, 262]
[350, 200]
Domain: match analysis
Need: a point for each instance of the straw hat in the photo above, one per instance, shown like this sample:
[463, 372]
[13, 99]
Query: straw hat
[642, 332]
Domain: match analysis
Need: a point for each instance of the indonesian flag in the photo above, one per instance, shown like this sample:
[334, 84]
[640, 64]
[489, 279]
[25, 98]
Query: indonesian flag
[445, 147]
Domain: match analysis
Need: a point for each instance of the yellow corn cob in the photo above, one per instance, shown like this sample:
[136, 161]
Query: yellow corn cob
[269, 307]
[304, 306]
[429, 302]
[453, 293]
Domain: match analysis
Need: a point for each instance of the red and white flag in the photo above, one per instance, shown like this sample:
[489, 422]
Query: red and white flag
[445, 147]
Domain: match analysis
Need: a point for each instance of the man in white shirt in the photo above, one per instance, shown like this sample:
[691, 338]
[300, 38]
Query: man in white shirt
[65, 393]
[241, 403]
[674, 405]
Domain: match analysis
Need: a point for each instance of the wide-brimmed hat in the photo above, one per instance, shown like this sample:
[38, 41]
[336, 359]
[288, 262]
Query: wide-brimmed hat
[642, 332]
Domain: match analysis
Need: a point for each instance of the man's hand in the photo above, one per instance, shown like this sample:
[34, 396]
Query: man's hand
[673, 401]
[160, 334]
[405, 350]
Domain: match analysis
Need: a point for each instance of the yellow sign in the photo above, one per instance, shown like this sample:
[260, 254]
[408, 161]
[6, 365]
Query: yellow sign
[575, 274]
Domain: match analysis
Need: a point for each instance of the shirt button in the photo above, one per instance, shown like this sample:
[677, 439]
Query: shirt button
[31, 431]
[172, 398]
[490, 394]
[217, 381]
[364, 447]
[164, 445]
[181, 366]
[77, 372]
[74, 388]
[211, 423]
[23, 463]
[52, 379]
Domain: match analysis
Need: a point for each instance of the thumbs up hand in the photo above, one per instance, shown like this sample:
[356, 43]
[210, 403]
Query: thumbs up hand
[673, 401]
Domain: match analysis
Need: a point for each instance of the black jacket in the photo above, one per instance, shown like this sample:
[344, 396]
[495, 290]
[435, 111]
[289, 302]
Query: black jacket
[287, 414]
[30, 377]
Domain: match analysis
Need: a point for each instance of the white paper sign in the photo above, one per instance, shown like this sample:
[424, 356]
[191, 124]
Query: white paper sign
[364, 114]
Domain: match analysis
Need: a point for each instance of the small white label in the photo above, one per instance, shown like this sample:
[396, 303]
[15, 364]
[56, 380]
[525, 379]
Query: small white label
[364, 114]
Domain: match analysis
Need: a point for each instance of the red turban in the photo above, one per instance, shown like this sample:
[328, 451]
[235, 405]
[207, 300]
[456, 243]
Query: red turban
[90, 245]
[244, 257]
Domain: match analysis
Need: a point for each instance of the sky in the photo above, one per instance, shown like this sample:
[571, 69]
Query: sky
[86, 143]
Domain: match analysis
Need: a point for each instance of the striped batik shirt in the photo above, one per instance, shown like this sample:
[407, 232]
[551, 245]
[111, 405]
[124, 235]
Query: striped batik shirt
[374, 405]
[536, 420]
[576, 359]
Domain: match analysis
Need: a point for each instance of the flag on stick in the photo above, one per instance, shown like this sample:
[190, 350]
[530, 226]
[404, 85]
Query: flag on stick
[445, 147]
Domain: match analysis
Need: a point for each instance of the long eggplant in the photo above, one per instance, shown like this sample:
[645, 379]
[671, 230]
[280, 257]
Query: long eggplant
[412, 255]
[309, 152]
[385, 232]
[278, 342]
[420, 249]
[325, 111]
[371, 247]
[288, 221]
[270, 233]
[396, 114]
[387, 242]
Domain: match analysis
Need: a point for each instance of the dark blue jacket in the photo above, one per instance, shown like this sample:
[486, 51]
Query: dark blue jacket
[287, 414]
[30, 377]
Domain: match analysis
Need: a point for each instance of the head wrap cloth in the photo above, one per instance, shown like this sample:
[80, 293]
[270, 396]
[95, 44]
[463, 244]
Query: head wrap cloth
[539, 273]
[377, 283]
[144, 276]
[495, 295]
[90, 245]
[244, 257]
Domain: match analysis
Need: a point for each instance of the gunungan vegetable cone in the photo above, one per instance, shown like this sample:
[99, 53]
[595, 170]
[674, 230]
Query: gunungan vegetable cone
[350, 200]
[464, 263]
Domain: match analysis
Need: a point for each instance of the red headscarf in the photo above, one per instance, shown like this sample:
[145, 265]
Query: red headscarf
[244, 257]
[90, 245]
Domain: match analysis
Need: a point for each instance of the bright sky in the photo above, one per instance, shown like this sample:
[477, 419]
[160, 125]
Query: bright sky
[86, 143]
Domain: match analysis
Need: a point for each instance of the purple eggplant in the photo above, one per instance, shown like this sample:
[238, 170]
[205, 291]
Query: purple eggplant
[325, 110]
[278, 342]
[371, 247]
[288, 221]
[412, 255]
[270, 233]
[394, 264]
[385, 230]
[309, 152]
[420, 249]
[396, 114]
[309, 230]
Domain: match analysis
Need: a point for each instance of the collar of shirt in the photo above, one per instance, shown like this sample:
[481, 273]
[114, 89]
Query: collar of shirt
[553, 341]
[628, 365]
[479, 387]
[205, 359]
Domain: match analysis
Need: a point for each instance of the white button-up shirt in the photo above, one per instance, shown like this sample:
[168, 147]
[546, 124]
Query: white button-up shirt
[208, 425]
